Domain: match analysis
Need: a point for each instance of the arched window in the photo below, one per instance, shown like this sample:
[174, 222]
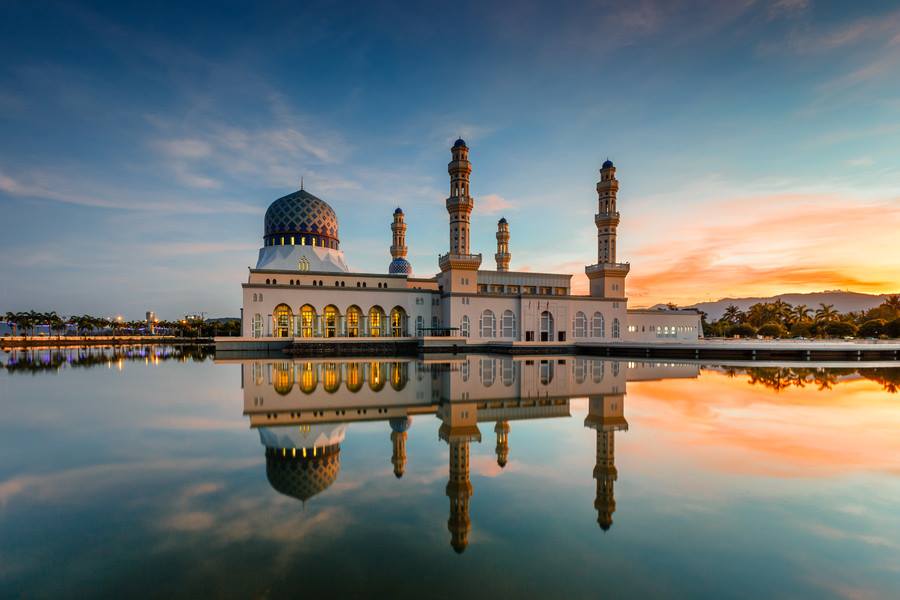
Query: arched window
[546, 372]
[355, 377]
[353, 316]
[464, 326]
[508, 324]
[256, 325]
[307, 320]
[488, 371]
[282, 315]
[399, 375]
[488, 325]
[508, 371]
[615, 328]
[579, 368]
[303, 263]
[331, 320]
[546, 326]
[284, 377]
[309, 378]
[331, 377]
[398, 322]
[376, 322]
[580, 326]
[420, 325]
[598, 326]
[597, 368]
[376, 376]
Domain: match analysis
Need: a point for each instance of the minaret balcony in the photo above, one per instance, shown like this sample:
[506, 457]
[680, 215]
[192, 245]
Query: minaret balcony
[468, 262]
[455, 203]
[607, 218]
[607, 269]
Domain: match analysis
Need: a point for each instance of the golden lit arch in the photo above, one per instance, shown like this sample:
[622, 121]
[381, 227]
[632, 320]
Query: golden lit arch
[376, 321]
[331, 377]
[399, 375]
[331, 315]
[282, 316]
[377, 377]
[354, 316]
[398, 322]
[309, 378]
[283, 379]
[307, 320]
[355, 377]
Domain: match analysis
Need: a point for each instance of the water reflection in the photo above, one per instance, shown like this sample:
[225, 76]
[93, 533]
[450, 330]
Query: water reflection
[52, 360]
[302, 409]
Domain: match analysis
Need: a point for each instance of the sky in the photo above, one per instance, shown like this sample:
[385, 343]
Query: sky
[757, 143]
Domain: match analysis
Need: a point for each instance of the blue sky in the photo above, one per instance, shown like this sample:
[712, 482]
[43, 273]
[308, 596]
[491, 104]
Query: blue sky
[756, 142]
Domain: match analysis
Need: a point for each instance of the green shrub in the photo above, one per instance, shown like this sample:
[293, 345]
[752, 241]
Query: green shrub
[892, 329]
[742, 330]
[801, 329]
[839, 329]
[873, 328]
[772, 329]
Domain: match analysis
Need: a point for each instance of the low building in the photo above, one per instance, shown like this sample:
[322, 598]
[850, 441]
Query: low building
[302, 286]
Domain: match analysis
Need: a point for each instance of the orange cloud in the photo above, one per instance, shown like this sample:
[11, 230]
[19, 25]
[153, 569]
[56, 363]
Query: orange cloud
[768, 245]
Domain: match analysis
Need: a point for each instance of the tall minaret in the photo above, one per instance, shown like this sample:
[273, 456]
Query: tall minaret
[607, 277]
[459, 206]
[502, 449]
[503, 254]
[606, 414]
[399, 427]
[459, 428]
[398, 245]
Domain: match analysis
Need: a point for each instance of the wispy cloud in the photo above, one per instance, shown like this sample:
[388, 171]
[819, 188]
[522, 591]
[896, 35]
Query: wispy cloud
[492, 204]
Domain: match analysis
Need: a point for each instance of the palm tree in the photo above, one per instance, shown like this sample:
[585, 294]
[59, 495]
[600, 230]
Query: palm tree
[826, 313]
[801, 313]
[892, 302]
[732, 314]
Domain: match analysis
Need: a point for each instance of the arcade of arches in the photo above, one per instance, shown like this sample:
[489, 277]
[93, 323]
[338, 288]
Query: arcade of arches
[329, 322]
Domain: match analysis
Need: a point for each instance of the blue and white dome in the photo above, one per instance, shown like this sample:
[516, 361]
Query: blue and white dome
[400, 266]
[302, 215]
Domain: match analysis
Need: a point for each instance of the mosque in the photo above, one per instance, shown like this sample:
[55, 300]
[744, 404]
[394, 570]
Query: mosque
[303, 289]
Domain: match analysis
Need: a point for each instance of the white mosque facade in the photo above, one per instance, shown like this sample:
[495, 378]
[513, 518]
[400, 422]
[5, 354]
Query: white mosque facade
[302, 287]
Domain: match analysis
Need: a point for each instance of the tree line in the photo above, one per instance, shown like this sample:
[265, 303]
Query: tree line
[28, 322]
[781, 319]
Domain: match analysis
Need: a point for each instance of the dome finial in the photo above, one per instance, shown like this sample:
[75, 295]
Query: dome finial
[301, 183]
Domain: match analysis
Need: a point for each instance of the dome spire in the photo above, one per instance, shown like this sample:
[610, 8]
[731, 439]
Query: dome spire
[301, 183]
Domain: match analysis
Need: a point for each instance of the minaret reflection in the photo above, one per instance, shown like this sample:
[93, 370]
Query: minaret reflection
[606, 415]
[459, 427]
[502, 431]
[399, 427]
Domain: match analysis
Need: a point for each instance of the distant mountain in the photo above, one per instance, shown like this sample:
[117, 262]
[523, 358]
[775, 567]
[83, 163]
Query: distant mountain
[842, 301]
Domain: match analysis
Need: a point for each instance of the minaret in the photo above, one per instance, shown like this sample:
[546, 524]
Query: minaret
[607, 277]
[459, 427]
[399, 427]
[503, 254]
[459, 207]
[502, 449]
[398, 245]
[606, 415]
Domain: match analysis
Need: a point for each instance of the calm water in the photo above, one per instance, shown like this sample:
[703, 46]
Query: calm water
[148, 472]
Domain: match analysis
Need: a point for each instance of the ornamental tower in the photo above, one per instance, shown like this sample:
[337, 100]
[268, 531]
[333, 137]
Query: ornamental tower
[459, 427]
[398, 245]
[606, 415]
[503, 256]
[459, 207]
[399, 427]
[502, 449]
[607, 277]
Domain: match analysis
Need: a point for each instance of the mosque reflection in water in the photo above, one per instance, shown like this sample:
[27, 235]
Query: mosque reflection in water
[302, 408]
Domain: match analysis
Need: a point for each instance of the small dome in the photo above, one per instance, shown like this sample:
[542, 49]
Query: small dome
[399, 211]
[400, 266]
[302, 214]
[502, 220]
[607, 164]
[460, 143]
[400, 425]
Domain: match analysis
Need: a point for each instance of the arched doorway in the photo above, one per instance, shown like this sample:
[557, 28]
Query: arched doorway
[398, 322]
[307, 321]
[376, 321]
[309, 378]
[331, 377]
[546, 326]
[282, 316]
[331, 315]
[354, 316]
